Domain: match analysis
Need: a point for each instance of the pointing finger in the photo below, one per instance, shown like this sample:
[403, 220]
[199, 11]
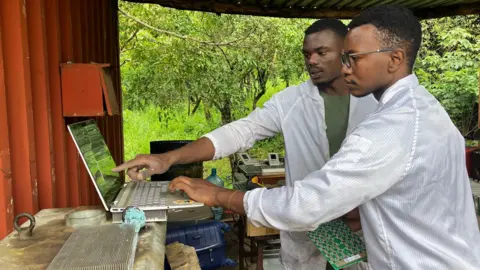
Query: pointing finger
[129, 164]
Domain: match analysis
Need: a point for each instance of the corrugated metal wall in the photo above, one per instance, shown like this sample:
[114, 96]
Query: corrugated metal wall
[39, 164]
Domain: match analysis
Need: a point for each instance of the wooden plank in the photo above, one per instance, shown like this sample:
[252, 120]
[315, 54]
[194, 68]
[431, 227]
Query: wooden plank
[41, 103]
[52, 21]
[6, 198]
[19, 105]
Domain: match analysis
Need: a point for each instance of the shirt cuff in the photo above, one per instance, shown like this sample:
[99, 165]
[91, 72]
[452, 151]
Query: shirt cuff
[253, 207]
[245, 202]
[215, 143]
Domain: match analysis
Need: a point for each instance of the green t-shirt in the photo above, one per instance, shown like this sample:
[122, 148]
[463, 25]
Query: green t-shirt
[336, 118]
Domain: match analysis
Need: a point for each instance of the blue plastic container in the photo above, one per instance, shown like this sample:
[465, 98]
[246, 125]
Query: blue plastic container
[208, 241]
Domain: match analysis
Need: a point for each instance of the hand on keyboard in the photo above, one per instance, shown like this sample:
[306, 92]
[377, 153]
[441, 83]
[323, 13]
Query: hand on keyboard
[199, 190]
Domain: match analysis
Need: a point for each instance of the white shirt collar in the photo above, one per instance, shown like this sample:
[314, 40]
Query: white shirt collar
[408, 81]
[313, 91]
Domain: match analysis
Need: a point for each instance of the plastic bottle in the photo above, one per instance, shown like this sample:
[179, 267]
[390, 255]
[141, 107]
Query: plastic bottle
[216, 180]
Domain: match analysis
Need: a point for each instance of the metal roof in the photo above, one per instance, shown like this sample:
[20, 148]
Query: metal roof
[341, 9]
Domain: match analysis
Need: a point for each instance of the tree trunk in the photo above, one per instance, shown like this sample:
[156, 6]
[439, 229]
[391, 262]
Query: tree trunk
[286, 79]
[258, 96]
[206, 111]
[197, 104]
[226, 114]
[262, 78]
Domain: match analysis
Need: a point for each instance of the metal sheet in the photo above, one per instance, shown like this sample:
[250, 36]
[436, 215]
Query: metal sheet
[98, 247]
[35, 149]
[19, 105]
[6, 198]
[59, 170]
[41, 103]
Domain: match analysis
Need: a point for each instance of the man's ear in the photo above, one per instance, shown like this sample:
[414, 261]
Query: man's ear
[397, 59]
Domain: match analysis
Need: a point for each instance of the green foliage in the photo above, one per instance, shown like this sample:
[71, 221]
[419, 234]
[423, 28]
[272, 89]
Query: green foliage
[178, 64]
[186, 73]
[448, 66]
[143, 126]
[221, 61]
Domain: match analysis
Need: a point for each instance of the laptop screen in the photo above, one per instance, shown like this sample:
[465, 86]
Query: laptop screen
[98, 160]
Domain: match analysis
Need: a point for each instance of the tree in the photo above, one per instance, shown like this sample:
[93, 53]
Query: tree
[448, 66]
[222, 61]
[174, 58]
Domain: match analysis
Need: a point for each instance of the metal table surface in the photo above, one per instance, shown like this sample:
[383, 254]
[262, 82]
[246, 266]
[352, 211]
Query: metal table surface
[50, 233]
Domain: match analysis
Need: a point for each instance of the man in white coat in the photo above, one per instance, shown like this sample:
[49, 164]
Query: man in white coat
[403, 166]
[314, 118]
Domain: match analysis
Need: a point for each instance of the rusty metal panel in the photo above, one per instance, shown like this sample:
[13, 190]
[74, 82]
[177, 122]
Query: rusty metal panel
[114, 45]
[103, 8]
[88, 90]
[67, 55]
[66, 30]
[36, 37]
[89, 39]
[82, 92]
[6, 196]
[19, 105]
[41, 103]
[58, 124]
[79, 22]
[76, 17]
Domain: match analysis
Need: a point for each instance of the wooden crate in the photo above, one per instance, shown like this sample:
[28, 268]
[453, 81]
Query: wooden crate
[259, 231]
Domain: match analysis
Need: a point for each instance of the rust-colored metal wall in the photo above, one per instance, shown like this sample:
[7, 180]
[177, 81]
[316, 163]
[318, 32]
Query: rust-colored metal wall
[39, 165]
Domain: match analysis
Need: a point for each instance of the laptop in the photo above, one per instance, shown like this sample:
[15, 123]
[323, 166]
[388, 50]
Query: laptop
[153, 198]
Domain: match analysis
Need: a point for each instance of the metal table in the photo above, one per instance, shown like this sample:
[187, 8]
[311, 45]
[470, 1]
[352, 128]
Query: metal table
[50, 233]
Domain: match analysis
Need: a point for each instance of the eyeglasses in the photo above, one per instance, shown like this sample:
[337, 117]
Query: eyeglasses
[347, 56]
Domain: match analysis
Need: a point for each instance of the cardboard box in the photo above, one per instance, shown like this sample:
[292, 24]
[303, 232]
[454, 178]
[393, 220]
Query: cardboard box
[259, 231]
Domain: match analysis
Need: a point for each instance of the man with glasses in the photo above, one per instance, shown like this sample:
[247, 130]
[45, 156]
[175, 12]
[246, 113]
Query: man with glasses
[313, 117]
[403, 166]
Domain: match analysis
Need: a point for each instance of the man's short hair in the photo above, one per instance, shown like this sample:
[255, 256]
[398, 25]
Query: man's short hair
[397, 28]
[327, 24]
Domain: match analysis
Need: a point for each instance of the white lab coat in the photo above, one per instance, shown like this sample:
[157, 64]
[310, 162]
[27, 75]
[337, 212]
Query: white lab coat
[405, 167]
[298, 113]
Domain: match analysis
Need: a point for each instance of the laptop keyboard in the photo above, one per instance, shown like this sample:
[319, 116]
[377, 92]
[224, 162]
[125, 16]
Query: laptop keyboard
[150, 194]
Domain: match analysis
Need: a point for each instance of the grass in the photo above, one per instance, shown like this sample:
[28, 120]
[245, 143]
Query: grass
[154, 124]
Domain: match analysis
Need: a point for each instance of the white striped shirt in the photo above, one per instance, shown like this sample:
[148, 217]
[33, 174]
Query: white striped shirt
[404, 165]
